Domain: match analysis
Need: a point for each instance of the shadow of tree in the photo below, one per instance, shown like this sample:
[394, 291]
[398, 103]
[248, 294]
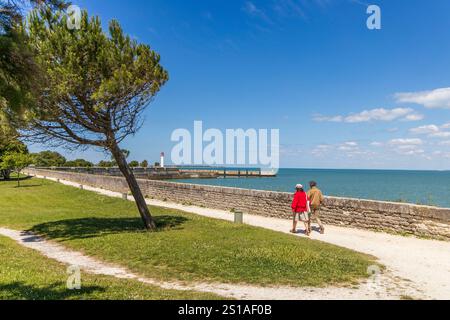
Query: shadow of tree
[23, 178]
[28, 186]
[96, 227]
[54, 291]
[14, 178]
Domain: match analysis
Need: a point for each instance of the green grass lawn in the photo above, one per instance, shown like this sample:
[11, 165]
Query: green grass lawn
[186, 247]
[26, 274]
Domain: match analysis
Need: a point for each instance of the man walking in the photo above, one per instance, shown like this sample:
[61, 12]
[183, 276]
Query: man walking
[316, 199]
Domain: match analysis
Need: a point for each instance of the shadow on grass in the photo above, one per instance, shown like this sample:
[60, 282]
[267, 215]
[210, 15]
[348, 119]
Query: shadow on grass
[28, 186]
[95, 227]
[14, 178]
[19, 290]
[24, 178]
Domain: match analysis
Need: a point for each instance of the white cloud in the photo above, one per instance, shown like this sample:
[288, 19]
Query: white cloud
[360, 153]
[410, 151]
[251, 9]
[441, 154]
[414, 117]
[445, 143]
[292, 149]
[349, 149]
[429, 129]
[392, 130]
[442, 134]
[395, 148]
[321, 150]
[323, 146]
[380, 114]
[411, 142]
[407, 147]
[432, 130]
[321, 118]
[348, 146]
[438, 98]
[288, 8]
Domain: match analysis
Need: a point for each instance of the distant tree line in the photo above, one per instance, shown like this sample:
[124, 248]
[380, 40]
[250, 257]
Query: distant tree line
[14, 157]
[54, 159]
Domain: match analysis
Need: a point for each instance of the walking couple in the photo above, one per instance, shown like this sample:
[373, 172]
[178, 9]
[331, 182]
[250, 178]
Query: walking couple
[306, 207]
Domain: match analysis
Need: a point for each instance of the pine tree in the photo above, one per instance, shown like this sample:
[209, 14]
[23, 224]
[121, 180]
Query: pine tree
[96, 87]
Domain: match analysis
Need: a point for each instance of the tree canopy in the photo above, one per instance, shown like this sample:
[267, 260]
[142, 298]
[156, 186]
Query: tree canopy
[79, 163]
[20, 75]
[49, 159]
[96, 86]
[134, 164]
[8, 147]
[144, 164]
[16, 161]
[105, 164]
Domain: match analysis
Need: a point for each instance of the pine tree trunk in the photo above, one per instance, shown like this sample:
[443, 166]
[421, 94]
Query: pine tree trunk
[147, 219]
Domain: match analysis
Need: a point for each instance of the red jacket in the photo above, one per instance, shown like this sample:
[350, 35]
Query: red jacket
[300, 203]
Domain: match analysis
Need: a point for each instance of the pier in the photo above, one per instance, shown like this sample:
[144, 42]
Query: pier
[224, 173]
[173, 172]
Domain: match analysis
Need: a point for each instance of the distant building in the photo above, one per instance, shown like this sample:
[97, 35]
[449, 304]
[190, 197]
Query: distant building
[162, 160]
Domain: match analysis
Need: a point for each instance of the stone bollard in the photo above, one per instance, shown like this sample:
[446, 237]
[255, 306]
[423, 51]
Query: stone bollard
[124, 196]
[238, 217]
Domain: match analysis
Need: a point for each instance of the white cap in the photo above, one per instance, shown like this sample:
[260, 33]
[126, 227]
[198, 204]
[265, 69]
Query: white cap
[299, 186]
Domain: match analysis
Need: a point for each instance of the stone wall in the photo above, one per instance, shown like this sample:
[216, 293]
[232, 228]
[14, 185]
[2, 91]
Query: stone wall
[366, 214]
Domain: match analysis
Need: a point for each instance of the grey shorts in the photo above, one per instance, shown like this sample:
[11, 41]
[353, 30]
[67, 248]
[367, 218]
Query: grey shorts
[301, 216]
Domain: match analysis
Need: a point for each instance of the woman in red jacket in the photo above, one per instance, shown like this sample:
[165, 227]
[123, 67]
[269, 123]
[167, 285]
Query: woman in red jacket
[300, 209]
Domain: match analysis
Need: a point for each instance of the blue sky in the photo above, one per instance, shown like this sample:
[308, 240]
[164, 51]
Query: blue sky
[343, 96]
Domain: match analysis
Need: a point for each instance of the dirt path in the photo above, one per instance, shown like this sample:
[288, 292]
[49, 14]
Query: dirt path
[416, 268]
[425, 263]
[384, 287]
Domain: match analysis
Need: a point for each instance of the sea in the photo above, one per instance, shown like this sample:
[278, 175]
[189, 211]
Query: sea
[417, 187]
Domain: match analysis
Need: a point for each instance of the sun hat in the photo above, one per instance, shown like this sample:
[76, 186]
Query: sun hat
[299, 186]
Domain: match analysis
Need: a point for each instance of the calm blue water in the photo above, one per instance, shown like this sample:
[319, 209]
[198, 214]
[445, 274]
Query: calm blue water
[423, 187]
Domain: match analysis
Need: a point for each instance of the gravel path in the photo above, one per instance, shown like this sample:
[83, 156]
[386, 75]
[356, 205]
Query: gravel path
[385, 287]
[415, 268]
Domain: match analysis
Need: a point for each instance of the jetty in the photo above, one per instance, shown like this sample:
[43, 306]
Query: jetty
[174, 172]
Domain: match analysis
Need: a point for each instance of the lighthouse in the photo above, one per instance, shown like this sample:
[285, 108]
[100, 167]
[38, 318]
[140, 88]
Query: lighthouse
[162, 160]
